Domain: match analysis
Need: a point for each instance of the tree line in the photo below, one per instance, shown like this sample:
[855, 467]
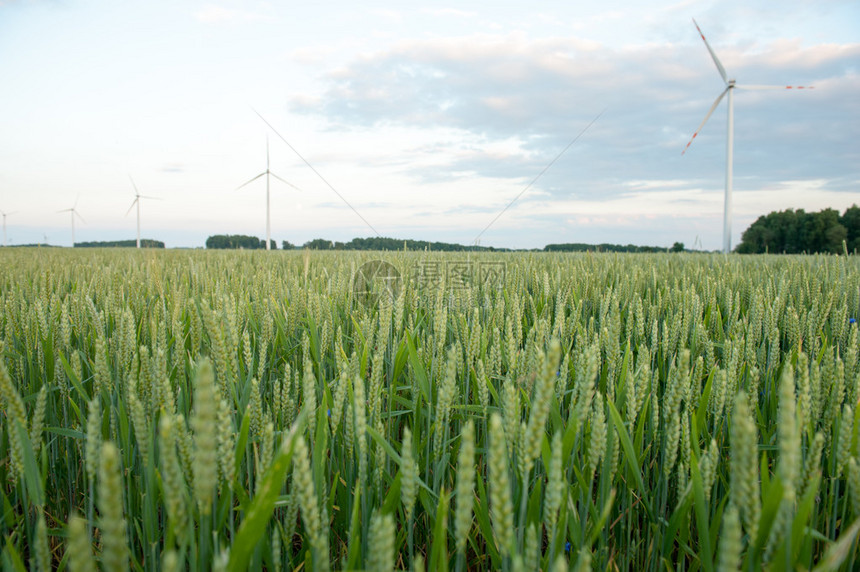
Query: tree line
[789, 232]
[238, 241]
[582, 247]
[144, 243]
[384, 243]
[797, 231]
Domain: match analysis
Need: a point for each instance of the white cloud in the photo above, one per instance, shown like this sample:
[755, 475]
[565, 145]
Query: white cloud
[541, 92]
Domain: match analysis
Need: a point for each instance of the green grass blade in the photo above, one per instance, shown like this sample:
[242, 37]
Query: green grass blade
[260, 511]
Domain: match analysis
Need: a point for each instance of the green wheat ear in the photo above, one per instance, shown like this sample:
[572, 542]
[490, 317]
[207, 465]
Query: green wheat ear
[42, 554]
[203, 422]
[597, 445]
[303, 484]
[846, 433]
[409, 475]
[226, 443]
[743, 465]
[170, 561]
[175, 488]
[465, 486]
[359, 409]
[16, 414]
[501, 503]
[730, 544]
[381, 543]
[555, 487]
[38, 421]
[79, 547]
[114, 542]
[854, 485]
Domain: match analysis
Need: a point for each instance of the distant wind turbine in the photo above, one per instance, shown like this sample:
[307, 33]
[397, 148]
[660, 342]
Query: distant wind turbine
[268, 173]
[730, 87]
[4, 225]
[73, 213]
[136, 201]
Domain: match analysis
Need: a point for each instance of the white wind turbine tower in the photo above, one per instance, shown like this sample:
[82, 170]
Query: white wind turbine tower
[73, 213]
[136, 201]
[730, 87]
[268, 173]
[5, 214]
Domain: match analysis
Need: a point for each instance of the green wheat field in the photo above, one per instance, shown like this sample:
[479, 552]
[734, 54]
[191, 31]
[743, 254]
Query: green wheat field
[250, 410]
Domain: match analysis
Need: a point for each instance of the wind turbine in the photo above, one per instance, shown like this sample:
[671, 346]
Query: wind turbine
[731, 85]
[73, 213]
[268, 174]
[4, 225]
[136, 201]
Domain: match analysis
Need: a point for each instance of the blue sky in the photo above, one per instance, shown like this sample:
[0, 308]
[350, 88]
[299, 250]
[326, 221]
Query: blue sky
[427, 117]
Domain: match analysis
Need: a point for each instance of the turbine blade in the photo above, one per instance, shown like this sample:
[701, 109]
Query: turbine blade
[286, 182]
[132, 205]
[705, 120]
[251, 181]
[153, 198]
[714, 57]
[136, 192]
[77, 214]
[64, 211]
[783, 87]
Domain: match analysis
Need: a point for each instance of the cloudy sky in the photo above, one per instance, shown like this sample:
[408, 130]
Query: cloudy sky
[428, 118]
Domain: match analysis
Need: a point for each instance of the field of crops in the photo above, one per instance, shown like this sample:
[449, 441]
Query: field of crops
[232, 411]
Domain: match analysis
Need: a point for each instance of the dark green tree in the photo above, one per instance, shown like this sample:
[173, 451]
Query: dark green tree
[144, 243]
[851, 221]
[319, 244]
[794, 232]
[232, 241]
